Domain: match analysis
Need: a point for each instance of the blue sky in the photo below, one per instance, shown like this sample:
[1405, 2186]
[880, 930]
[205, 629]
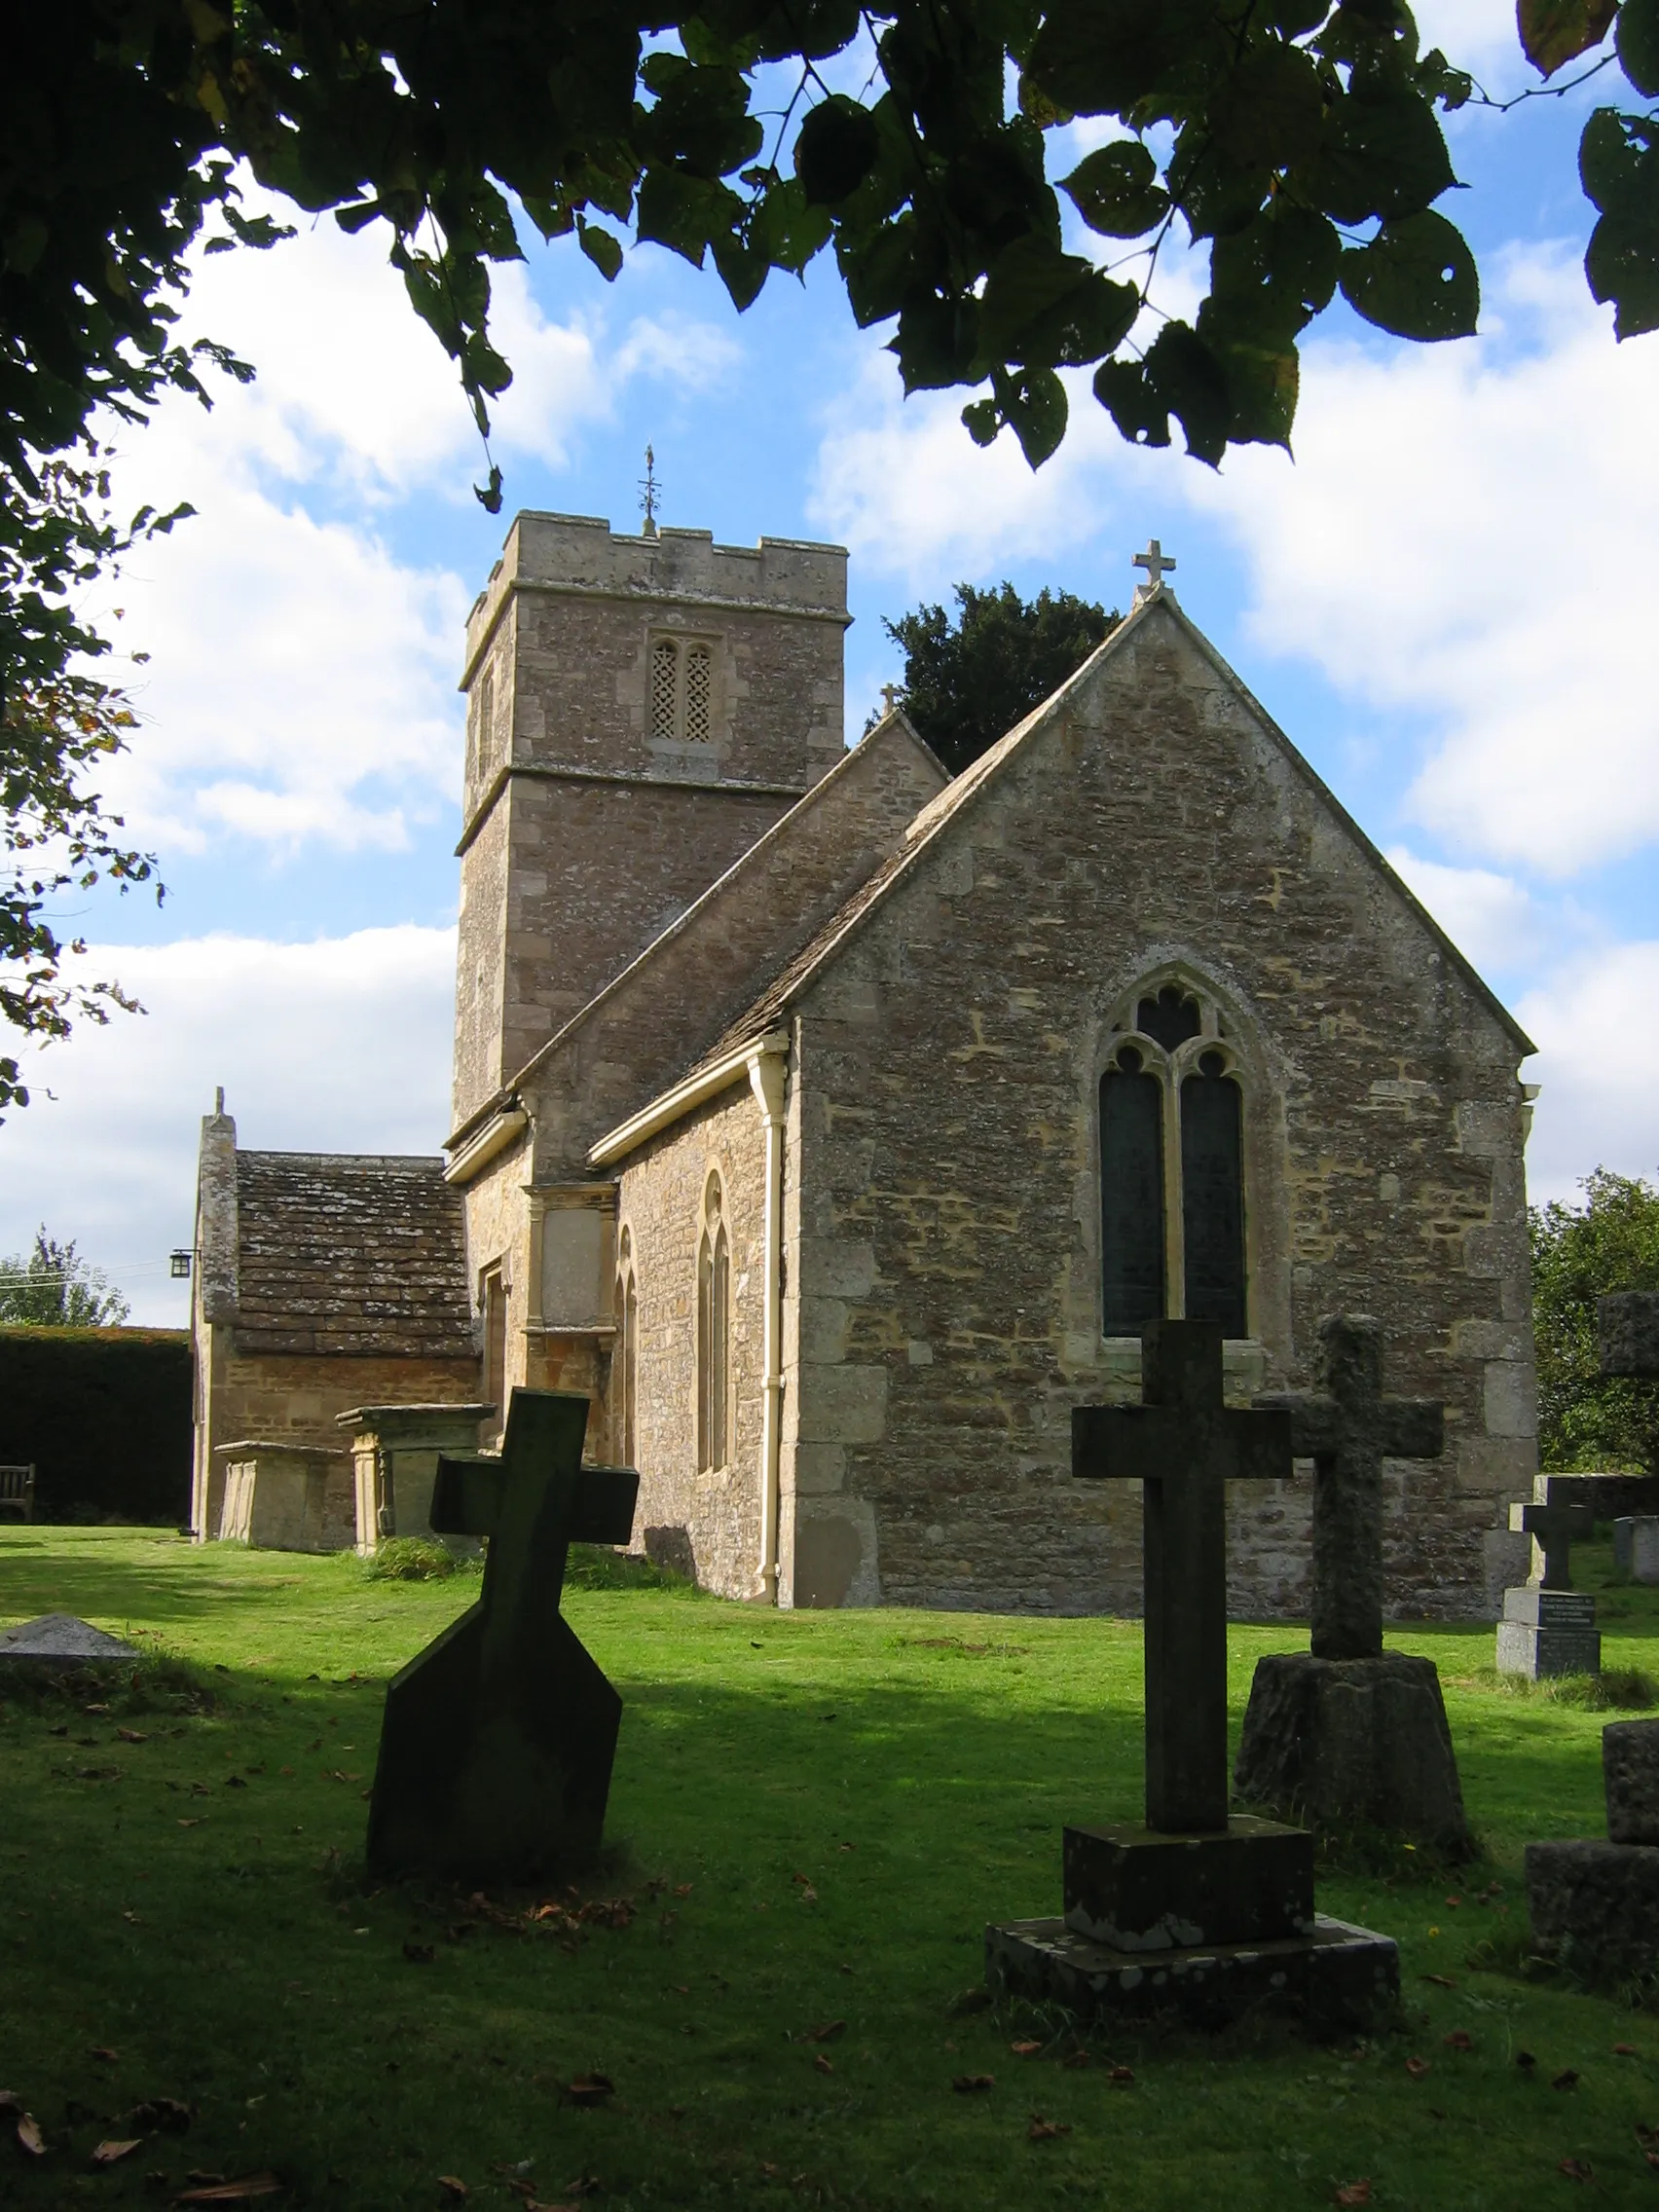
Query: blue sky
[1444, 600]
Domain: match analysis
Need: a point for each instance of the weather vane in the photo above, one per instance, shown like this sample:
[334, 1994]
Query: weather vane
[651, 492]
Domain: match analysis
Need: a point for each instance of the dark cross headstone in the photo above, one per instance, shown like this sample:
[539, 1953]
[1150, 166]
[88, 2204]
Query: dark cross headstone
[497, 1748]
[1555, 1530]
[1185, 1446]
[1347, 1428]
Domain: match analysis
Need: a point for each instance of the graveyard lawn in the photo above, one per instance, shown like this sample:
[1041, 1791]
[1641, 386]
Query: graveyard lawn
[814, 1815]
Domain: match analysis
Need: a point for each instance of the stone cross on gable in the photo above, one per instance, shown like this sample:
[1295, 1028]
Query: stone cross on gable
[1347, 1428]
[1155, 561]
[497, 1746]
[890, 694]
[1185, 1445]
[1554, 1528]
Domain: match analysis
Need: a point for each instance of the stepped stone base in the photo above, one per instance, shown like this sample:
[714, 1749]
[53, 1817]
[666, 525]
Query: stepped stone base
[1594, 1906]
[1353, 1742]
[1336, 1976]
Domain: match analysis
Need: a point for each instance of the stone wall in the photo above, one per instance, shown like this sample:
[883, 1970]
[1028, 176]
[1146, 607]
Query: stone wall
[709, 1524]
[945, 1182]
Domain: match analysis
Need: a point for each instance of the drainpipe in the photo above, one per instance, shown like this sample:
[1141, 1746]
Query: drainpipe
[768, 1075]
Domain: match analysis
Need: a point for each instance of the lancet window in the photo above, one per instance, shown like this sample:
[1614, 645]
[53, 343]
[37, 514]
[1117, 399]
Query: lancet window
[682, 690]
[1173, 1169]
[625, 1358]
[714, 1333]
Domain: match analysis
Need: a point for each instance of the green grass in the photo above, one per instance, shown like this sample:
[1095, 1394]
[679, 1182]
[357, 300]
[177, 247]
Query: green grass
[814, 1815]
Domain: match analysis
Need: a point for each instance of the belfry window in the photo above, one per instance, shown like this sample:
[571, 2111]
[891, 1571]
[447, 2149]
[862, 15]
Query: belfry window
[1172, 1170]
[682, 690]
[713, 1334]
[625, 1360]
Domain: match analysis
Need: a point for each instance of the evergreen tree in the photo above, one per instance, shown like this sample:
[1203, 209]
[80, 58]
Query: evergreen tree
[966, 684]
[55, 1289]
[1579, 1255]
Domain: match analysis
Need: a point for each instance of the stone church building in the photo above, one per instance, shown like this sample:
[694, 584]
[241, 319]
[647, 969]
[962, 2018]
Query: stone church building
[834, 1124]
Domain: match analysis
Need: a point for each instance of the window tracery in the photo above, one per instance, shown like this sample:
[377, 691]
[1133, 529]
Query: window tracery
[1172, 1226]
[682, 690]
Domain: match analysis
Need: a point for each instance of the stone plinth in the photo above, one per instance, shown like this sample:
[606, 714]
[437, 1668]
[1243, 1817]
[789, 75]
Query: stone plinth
[1594, 1906]
[1136, 1888]
[58, 1642]
[1345, 1743]
[1336, 1976]
[395, 1460]
[1548, 1632]
[1630, 1770]
[1635, 1547]
[276, 1495]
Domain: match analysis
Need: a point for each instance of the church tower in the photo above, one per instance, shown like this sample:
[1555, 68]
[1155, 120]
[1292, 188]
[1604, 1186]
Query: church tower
[639, 711]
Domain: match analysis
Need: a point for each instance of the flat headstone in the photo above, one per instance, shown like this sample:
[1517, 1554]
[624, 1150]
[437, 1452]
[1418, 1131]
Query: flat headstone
[1630, 1767]
[1635, 1547]
[60, 1639]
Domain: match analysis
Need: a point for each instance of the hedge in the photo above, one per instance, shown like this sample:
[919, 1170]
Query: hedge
[104, 1415]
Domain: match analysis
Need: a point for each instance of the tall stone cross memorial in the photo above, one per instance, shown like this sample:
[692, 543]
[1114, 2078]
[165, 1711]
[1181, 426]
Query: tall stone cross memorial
[1346, 1734]
[1195, 1911]
[497, 1742]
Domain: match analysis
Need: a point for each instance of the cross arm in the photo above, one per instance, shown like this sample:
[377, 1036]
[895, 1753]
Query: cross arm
[467, 1496]
[1122, 1442]
[1315, 1420]
[1548, 1524]
[1414, 1428]
[1264, 1443]
[602, 1511]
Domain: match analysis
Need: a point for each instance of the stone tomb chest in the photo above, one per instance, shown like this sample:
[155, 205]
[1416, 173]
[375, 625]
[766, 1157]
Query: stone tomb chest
[394, 1461]
[277, 1497]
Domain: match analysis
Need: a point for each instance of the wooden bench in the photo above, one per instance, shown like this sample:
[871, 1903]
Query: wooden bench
[17, 1492]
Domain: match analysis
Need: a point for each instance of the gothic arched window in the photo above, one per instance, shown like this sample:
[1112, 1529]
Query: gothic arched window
[625, 1360]
[713, 1334]
[1172, 1169]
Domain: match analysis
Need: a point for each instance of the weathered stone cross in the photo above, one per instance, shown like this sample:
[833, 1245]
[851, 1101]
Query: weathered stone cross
[1185, 1446]
[1347, 1428]
[1555, 1530]
[890, 694]
[497, 1746]
[1155, 561]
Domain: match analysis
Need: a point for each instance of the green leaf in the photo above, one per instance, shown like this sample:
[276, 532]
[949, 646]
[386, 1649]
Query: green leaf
[601, 249]
[1115, 189]
[1104, 57]
[1384, 155]
[1179, 376]
[835, 149]
[1047, 308]
[1554, 32]
[1269, 279]
[1270, 111]
[1638, 39]
[1416, 277]
[982, 419]
[1034, 407]
[488, 496]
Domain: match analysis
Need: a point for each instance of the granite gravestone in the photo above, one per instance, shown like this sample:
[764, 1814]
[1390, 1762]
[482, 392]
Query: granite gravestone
[1593, 1905]
[59, 1643]
[1192, 1912]
[497, 1748]
[1635, 1547]
[1348, 1734]
[1549, 1628]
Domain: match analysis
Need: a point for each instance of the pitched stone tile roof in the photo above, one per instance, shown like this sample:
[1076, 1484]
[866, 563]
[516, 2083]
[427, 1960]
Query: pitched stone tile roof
[339, 1253]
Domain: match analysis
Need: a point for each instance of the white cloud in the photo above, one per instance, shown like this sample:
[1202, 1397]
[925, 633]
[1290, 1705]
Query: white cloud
[301, 690]
[1468, 533]
[1599, 1064]
[1492, 920]
[338, 1045]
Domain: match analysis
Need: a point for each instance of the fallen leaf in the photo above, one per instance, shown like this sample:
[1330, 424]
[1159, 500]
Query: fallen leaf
[1576, 2169]
[1024, 2049]
[1566, 2079]
[823, 2064]
[287, 1770]
[29, 2137]
[1440, 1981]
[1044, 2130]
[107, 2153]
[1454, 1902]
[966, 2085]
[1417, 2068]
[235, 1781]
[451, 2184]
[591, 2089]
[1123, 2076]
[683, 1888]
[192, 1823]
[218, 2192]
[1460, 2040]
[134, 1917]
[94, 1709]
[132, 1735]
[162, 2111]
[1352, 2193]
[830, 2032]
[1626, 2051]
[419, 1954]
[103, 2051]
[1075, 2058]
